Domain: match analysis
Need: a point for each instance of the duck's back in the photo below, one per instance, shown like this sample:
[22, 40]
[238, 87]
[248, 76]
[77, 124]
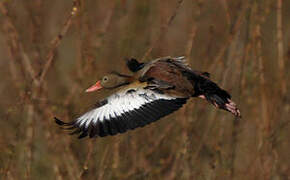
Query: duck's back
[170, 74]
[174, 77]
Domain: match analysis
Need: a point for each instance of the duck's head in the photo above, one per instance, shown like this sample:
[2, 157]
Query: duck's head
[110, 81]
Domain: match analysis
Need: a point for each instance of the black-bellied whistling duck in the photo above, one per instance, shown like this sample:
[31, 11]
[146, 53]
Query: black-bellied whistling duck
[156, 89]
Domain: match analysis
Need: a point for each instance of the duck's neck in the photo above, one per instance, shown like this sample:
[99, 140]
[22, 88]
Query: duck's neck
[122, 80]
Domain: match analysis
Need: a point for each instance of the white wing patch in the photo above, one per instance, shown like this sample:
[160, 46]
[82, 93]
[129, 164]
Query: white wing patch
[120, 103]
[122, 111]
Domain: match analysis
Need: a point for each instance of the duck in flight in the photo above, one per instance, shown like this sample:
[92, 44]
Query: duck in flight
[156, 89]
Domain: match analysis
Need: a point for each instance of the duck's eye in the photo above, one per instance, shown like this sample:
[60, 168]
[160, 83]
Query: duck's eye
[105, 78]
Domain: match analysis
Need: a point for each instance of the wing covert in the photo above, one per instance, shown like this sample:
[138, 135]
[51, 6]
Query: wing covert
[122, 111]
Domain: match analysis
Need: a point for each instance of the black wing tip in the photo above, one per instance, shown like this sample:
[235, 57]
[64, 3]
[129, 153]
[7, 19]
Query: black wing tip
[69, 126]
[59, 122]
[62, 123]
[134, 65]
[75, 130]
[131, 60]
[207, 74]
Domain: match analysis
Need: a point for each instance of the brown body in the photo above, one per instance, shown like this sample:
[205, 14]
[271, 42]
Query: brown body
[174, 77]
[174, 82]
[156, 89]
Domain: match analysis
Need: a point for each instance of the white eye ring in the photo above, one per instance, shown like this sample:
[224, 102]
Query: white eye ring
[105, 78]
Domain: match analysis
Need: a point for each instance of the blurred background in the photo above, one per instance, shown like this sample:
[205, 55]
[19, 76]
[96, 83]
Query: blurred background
[51, 51]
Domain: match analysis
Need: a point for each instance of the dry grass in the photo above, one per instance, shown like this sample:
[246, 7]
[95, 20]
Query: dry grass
[52, 50]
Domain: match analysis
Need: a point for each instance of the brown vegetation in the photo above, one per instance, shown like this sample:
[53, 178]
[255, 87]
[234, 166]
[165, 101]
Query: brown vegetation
[51, 51]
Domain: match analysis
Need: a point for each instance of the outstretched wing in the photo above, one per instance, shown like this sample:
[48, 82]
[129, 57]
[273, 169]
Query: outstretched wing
[123, 111]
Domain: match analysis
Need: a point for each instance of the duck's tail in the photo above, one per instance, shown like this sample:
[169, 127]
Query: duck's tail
[206, 89]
